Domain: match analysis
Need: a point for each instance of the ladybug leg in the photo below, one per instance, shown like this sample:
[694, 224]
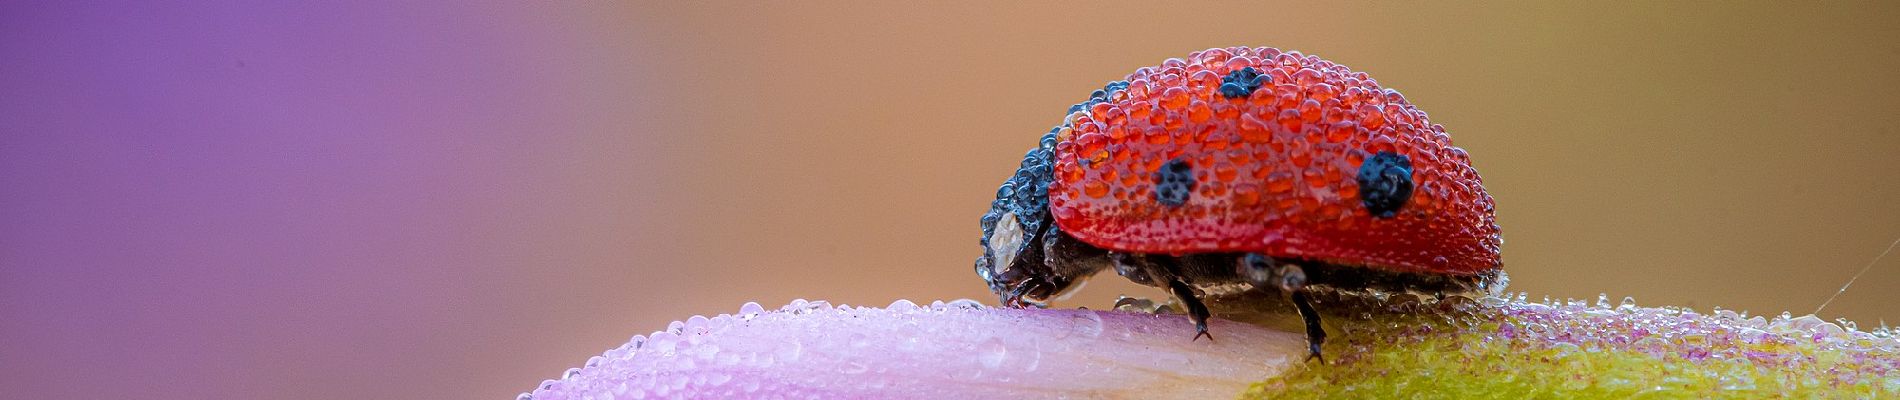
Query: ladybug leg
[1196, 310]
[1168, 269]
[1315, 335]
[1293, 280]
[1160, 271]
[1263, 272]
[1015, 298]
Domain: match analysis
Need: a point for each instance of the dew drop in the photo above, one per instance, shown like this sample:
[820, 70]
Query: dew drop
[1095, 189]
[1628, 303]
[571, 372]
[676, 327]
[796, 304]
[902, 305]
[1134, 304]
[991, 353]
[1603, 300]
[663, 342]
[818, 305]
[1087, 323]
[750, 309]
[966, 304]
[524, 396]
[697, 324]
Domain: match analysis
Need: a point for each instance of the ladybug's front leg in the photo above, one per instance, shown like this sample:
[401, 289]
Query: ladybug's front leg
[1163, 272]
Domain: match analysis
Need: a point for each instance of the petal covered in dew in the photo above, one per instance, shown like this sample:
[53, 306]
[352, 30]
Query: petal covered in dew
[960, 349]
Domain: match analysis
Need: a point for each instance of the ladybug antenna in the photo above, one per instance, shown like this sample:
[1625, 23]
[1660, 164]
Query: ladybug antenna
[1863, 271]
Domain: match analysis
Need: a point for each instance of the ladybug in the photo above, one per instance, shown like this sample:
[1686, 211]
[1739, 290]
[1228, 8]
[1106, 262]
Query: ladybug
[1244, 167]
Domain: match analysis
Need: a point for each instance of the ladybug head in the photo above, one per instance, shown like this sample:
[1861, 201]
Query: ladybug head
[1011, 263]
[1017, 232]
[1031, 269]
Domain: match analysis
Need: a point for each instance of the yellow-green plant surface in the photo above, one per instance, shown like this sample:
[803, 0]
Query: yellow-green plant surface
[1502, 348]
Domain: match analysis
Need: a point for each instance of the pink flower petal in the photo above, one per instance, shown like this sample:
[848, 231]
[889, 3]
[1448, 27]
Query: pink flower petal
[957, 350]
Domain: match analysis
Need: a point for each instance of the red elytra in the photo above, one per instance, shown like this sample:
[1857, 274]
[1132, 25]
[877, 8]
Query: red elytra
[1274, 170]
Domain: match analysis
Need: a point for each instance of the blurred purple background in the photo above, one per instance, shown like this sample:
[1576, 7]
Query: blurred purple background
[275, 200]
[458, 200]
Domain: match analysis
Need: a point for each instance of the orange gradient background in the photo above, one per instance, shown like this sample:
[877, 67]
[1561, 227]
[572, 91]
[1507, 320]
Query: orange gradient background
[452, 201]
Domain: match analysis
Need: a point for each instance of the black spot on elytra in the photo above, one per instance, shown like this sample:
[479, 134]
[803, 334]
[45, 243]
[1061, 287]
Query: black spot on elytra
[1174, 181]
[1385, 183]
[1242, 82]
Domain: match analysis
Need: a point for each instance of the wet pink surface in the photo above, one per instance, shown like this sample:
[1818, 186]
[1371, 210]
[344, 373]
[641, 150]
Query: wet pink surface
[955, 350]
